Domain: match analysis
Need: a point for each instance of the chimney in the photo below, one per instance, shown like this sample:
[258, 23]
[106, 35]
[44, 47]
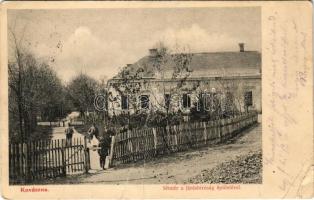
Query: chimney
[153, 52]
[241, 45]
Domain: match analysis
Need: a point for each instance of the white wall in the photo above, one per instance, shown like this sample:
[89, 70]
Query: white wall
[157, 88]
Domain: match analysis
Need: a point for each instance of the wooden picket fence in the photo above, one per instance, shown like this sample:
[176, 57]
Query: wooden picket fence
[44, 159]
[140, 144]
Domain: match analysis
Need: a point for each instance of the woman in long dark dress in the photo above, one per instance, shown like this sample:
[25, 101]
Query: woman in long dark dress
[104, 145]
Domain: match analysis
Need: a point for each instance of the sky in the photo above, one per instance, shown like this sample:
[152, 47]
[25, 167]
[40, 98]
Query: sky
[99, 42]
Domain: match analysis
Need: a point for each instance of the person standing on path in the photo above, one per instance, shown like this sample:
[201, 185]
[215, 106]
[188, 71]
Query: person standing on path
[93, 146]
[104, 144]
[93, 131]
[69, 134]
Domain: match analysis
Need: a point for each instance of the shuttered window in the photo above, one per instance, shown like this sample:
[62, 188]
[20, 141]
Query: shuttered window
[167, 100]
[248, 98]
[186, 101]
[124, 102]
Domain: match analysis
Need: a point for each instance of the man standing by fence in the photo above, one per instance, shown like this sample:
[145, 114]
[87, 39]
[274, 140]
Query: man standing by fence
[103, 152]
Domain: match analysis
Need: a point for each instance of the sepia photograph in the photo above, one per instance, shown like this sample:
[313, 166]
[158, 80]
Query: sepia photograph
[135, 96]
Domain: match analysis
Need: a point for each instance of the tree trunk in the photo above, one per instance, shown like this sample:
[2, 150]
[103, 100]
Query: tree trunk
[33, 118]
[20, 106]
[26, 126]
[21, 119]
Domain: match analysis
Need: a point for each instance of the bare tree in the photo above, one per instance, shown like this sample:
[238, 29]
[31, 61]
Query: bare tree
[128, 85]
[232, 91]
[131, 81]
[31, 83]
[175, 69]
[16, 83]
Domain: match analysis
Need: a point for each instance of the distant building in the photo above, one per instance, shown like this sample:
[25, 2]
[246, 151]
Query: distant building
[235, 73]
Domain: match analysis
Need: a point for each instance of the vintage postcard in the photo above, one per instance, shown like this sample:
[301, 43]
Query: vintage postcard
[129, 100]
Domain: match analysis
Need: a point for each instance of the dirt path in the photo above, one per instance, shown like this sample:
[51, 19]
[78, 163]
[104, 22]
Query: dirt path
[174, 168]
[59, 133]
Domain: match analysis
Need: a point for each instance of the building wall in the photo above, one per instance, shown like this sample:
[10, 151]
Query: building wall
[157, 88]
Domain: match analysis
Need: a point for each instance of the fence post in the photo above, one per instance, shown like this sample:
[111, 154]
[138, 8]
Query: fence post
[205, 132]
[155, 140]
[229, 127]
[26, 163]
[64, 172]
[175, 138]
[86, 155]
[219, 125]
[232, 126]
[130, 143]
[111, 152]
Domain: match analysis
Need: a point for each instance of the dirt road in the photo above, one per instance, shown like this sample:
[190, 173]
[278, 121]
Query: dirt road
[174, 168]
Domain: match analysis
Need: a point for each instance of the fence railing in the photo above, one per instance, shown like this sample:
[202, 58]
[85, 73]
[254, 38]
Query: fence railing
[45, 159]
[140, 144]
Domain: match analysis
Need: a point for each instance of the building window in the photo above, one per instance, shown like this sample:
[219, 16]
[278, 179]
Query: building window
[124, 102]
[167, 100]
[144, 101]
[248, 100]
[186, 101]
[201, 101]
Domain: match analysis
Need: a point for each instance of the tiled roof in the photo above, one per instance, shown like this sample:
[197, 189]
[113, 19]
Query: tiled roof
[205, 64]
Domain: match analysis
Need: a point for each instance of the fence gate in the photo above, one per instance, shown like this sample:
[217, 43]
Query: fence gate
[75, 157]
[38, 160]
